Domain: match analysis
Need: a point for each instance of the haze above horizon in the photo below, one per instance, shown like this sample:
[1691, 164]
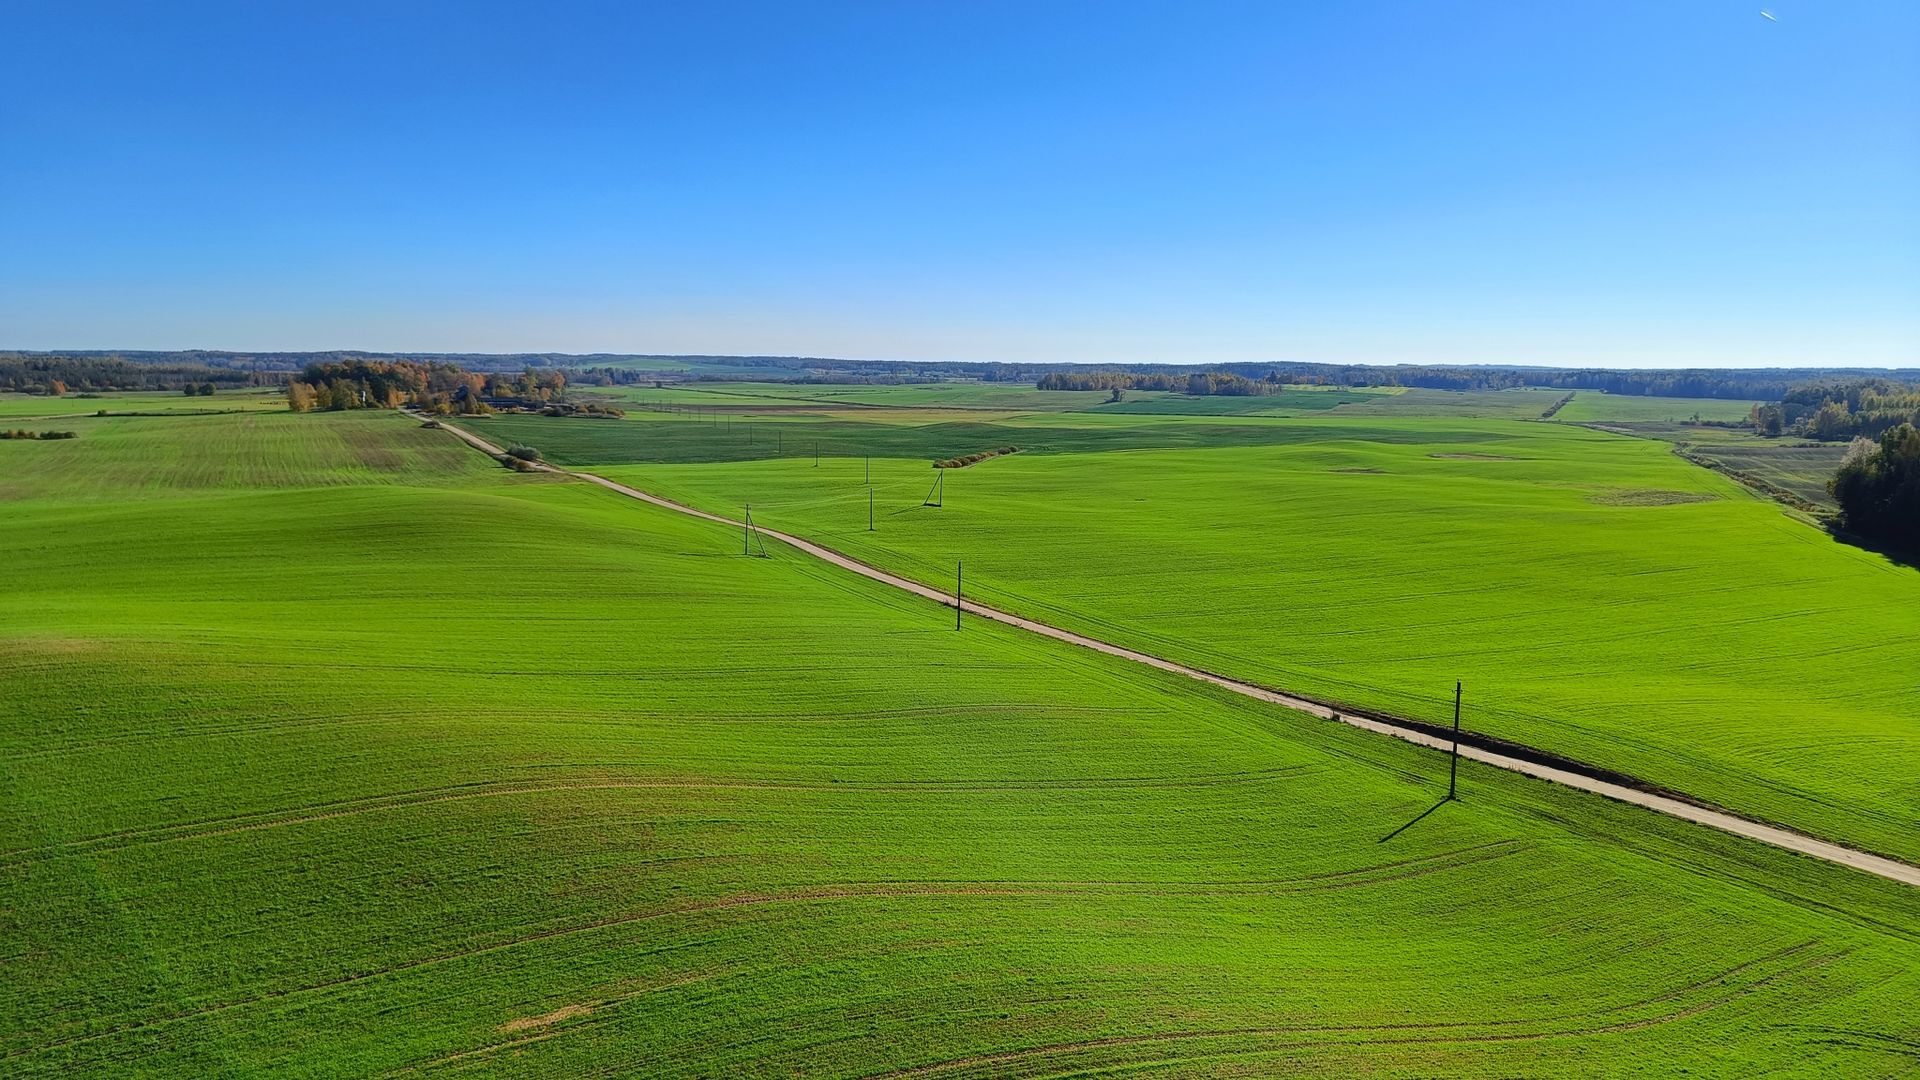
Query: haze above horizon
[1639, 185]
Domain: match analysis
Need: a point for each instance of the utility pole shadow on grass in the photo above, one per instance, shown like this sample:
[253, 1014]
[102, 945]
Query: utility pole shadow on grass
[1416, 819]
[1453, 772]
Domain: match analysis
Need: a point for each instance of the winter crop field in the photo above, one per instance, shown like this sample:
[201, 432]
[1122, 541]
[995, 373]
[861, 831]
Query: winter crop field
[915, 541]
[1601, 597]
[443, 769]
[48, 406]
[1590, 405]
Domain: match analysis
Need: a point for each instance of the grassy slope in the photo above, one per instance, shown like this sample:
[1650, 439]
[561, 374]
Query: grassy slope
[1526, 404]
[1716, 646]
[1001, 396]
[483, 773]
[717, 368]
[914, 395]
[16, 406]
[1286, 403]
[744, 395]
[860, 401]
[924, 434]
[1792, 464]
[115, 458]
[1803, 470]
[1591, 405]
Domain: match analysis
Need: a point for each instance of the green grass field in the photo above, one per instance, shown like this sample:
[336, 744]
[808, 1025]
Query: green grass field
[1790, 464]
[1527, 404]
[1008, 397]
[115, 458]
[924, 434]
[1289, 402]
[1022, 397]
[329, 753]
[742, 394]
[1599, 596]
[1590, 405]
[22, 406]
[716, 367]
[1803, 470]
[1293, 401]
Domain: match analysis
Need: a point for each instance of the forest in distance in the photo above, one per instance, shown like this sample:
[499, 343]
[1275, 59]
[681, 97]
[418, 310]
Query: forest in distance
[35, 372]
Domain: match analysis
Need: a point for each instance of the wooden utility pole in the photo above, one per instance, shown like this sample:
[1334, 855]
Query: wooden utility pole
[816, 453]
[751, 534]
[1453, 767]
[956, 594]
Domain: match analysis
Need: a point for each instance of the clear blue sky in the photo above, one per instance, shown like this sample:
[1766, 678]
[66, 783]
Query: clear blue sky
[1636, 184]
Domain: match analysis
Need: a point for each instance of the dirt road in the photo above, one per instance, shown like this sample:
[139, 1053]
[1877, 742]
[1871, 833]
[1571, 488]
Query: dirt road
[1666, 804]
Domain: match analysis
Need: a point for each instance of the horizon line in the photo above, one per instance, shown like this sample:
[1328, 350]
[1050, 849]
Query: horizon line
[402, 353]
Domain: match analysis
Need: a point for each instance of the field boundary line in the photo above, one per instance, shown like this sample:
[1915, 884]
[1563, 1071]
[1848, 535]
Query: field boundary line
[1512, 757]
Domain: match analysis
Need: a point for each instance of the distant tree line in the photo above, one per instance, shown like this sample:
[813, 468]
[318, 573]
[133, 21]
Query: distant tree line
[1198, 383]
[1269, 378]
[371, 384]
[616, 376]
[1682, 384]
[35, 374]
[1878, 489]
[22, 433]
[1763, 384]
[21, 370]
[286, 363]
[1746, 383]
[436, 386]
[1843, 410]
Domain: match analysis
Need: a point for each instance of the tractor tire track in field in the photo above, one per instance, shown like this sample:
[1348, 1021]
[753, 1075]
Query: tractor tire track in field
[838, 892]
[406, 800]
[1325, 1035]
[1500, 754]
[1360, 1035]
